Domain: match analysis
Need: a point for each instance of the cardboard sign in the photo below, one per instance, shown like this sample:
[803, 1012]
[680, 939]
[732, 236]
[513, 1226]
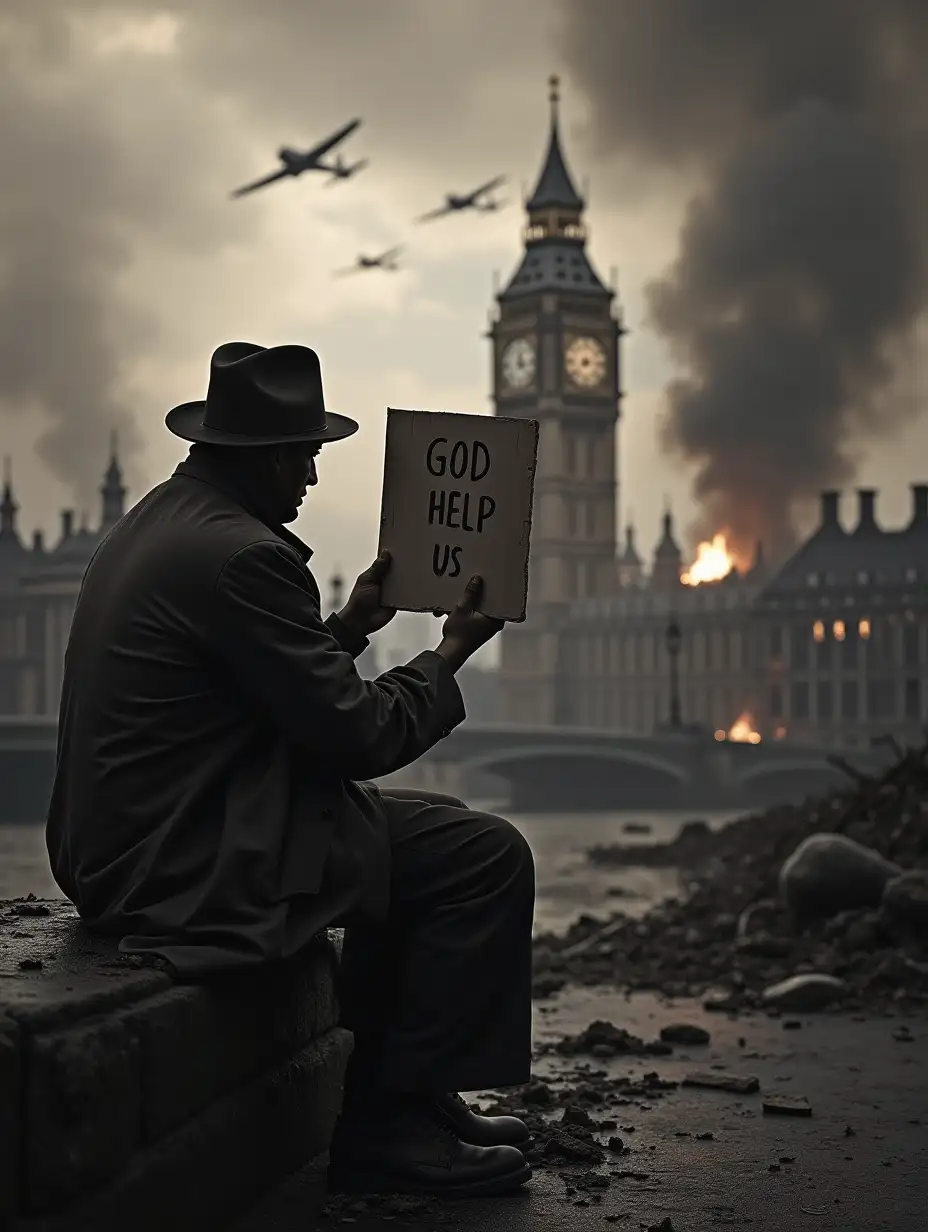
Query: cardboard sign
[457, 500]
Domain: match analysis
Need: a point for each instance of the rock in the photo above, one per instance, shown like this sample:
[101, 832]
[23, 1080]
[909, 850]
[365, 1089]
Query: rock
[804, 993]
[536, 1093]
[684, 1033]
[564, 1144]
[546, 986]
[615, 1144]
[737, 1085]
[786, 1105]
[905, 897]
[577, 1116]
[828, 873]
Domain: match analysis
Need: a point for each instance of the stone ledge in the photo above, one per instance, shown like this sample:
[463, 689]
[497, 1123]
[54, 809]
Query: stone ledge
[118, 1086]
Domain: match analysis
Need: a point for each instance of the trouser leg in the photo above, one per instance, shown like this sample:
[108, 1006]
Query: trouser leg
[439, 999]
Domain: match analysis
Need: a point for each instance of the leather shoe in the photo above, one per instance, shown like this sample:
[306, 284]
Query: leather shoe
[413, 1150]
[480, 1130]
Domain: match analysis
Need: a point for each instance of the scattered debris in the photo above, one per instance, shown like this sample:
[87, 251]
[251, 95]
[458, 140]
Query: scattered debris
[743, 927]
[747, 1085]
[684, 1033]
[805, 993]
[787, 1105]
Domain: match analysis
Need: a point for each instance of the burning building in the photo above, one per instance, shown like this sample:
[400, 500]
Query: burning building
[841, 631]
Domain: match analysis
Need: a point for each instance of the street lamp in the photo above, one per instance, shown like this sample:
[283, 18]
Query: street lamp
[673, 640]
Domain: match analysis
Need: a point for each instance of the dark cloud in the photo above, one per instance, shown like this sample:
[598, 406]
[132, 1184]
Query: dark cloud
[803, 261]
[106, 156]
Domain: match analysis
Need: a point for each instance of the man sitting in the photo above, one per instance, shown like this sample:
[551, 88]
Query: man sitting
[212, 807]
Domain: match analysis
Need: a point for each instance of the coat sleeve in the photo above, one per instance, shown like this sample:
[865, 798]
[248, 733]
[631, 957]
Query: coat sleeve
[267, 629]
[350, 642]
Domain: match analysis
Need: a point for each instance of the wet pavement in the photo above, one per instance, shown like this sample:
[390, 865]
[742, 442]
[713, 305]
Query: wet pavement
[860, 1161]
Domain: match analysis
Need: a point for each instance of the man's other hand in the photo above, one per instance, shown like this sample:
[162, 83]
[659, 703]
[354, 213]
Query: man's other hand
[364, 614]
[466, 629]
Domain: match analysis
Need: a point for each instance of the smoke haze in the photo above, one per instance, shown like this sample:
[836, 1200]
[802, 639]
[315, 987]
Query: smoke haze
[803, 260]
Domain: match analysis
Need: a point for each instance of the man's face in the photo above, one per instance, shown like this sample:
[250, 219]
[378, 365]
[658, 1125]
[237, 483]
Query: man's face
[296, 471]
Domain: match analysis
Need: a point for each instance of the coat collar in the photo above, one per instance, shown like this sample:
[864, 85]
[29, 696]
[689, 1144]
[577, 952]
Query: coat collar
[206, 471]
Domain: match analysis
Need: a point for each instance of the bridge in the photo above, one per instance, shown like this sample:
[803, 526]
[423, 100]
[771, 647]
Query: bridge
[545, 769]
[540, 769]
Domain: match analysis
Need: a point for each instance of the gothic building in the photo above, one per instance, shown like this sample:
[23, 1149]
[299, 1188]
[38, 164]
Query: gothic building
[555, 338]
[38, 590]
[841, 632]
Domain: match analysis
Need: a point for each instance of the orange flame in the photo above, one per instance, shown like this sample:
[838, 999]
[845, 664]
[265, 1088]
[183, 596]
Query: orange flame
[713, 562]
[741, 731]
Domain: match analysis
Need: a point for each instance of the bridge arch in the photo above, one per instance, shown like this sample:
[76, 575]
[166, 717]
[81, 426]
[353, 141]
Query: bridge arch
[561, 777]
[764, 783]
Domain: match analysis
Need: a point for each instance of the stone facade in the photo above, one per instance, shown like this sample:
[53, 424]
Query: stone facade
[841, 632]
[38, 591]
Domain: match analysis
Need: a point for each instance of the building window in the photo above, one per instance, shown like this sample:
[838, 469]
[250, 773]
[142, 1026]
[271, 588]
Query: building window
[880, 699]
[570, 453]
[571, 503]
[863, 578]
[910, 655]
[800, 706]
[799, 647]
[824, 653]
[823, 701]
[849, 700]
[812, 579]
[591, 455]
[911, 575]
[776, 702]
[590, 519]
[913, 699]
[863, 628]
[775, 642]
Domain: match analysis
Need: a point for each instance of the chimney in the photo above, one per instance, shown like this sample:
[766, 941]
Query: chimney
[830, 511]
[67, 523]
[866, 504]
[919, 505]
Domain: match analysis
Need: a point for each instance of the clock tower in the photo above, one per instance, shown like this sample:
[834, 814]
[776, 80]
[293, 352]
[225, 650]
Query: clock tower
[556, 358]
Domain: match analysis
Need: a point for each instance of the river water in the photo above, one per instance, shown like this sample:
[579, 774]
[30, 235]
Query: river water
[567, 884]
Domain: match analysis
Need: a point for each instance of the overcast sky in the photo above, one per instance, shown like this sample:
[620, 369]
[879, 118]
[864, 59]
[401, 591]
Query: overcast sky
[123, 262]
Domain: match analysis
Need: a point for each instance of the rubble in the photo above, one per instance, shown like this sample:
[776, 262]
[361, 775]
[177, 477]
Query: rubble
[735, 933]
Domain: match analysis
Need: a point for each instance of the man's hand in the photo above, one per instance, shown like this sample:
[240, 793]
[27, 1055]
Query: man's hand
[364, 614]
[466, 629]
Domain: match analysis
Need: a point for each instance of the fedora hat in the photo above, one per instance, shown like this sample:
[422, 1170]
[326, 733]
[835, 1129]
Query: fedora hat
[260, 396]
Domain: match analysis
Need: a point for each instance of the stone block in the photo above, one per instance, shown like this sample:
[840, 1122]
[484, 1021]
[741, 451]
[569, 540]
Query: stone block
[199, 1041]
[82, 1109]
[213, 1168]
[10, 1088]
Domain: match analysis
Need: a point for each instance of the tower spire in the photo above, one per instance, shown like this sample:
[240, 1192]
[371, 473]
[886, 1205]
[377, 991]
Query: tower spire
[555, 188]
[8, 505]
[113, 490]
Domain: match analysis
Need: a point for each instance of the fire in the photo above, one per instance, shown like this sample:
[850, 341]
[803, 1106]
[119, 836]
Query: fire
[713, 562]
[741, 731]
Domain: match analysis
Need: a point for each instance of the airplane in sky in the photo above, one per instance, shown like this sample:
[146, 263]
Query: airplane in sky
[469, 201]
[295, 162]
[339, 170]
[386, 261]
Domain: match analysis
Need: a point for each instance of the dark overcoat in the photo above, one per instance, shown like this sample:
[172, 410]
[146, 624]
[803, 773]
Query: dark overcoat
[209, 803]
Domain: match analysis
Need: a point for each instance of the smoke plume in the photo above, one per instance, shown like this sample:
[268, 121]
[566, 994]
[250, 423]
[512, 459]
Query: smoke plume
[803, 262]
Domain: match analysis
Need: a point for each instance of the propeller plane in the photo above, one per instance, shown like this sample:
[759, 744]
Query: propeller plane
[475, 200]
[295, 162]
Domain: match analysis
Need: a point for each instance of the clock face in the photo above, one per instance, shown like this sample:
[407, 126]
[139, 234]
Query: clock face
[519, 363]
[585, 361]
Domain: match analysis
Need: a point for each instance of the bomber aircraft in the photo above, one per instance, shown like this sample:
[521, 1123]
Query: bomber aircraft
[295, 162]
[386, 261]
[468, 201]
